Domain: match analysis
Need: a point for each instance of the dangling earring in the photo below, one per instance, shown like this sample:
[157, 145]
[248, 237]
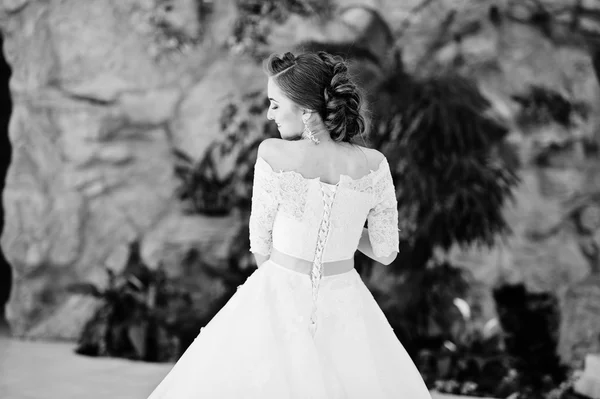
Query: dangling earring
[307, 132]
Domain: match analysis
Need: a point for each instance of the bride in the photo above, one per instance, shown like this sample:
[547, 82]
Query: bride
[304, 325]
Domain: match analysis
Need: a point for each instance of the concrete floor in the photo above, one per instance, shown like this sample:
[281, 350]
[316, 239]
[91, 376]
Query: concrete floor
[51, 370]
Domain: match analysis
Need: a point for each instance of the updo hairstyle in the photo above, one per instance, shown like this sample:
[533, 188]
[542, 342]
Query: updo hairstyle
[320, 82]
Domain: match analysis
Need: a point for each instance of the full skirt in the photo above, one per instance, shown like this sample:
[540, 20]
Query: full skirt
[259, 345]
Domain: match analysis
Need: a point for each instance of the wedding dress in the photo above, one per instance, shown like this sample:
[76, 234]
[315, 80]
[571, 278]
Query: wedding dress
[291, 335]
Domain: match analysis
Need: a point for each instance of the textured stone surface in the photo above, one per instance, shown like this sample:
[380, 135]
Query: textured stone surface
[99, 102]
[580, 324]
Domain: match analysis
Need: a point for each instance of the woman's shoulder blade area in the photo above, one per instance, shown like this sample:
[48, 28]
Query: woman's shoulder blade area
[276, 154]
[287, 155]
[277, 161]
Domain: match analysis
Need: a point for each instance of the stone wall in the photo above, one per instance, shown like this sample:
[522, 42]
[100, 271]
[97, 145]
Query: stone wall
[103, 93]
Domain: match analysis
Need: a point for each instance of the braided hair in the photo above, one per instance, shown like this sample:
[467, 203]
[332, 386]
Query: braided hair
[321, 82]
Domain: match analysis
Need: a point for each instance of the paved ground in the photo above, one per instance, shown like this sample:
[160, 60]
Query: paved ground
[36, 370]
[51, 370]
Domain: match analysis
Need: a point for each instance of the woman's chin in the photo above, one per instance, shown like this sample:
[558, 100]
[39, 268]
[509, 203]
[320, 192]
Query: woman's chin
[284, 135]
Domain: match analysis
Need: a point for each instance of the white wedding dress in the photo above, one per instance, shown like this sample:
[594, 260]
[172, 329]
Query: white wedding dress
[289, 335]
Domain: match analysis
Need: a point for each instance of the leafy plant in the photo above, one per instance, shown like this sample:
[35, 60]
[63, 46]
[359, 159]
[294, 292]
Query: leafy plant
[464, 356]
[203, 190]
[143, 315]
[206, 186]
[179, 25]
[452, 183]
[255, 17]
[541, 105]
[511, 356]
[530, 322]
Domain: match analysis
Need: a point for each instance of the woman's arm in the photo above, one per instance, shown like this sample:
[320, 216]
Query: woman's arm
[264, 208]
[364, 246]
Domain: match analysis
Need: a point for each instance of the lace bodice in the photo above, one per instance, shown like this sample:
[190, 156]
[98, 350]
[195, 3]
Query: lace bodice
[321, 222]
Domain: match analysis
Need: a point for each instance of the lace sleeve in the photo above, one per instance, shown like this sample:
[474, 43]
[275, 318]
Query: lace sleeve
[383, 216]
[264, 207]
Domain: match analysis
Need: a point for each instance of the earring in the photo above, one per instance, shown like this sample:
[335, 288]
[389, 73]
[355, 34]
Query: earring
[307, 132]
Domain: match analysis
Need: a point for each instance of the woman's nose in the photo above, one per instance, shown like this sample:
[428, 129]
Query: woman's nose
[270, 114]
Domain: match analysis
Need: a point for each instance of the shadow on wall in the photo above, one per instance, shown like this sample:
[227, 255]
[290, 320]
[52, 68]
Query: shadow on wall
[5, 110]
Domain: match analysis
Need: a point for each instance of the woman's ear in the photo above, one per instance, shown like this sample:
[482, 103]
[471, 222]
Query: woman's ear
[306, 114]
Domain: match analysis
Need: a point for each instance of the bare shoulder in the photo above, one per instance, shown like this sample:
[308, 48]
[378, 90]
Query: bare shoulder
[268, 147]
[374, 157]
[277, 153]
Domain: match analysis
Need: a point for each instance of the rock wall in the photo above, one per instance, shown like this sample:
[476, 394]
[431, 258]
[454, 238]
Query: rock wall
[103, 93]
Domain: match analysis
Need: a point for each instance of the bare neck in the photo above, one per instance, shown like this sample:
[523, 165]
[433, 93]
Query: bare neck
[320, 132]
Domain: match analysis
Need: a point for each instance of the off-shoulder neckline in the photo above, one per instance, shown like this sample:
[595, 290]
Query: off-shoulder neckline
[318, 178]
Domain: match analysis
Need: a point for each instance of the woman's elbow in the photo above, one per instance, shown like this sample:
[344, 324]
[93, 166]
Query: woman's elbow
[260, 259]
[388, 259]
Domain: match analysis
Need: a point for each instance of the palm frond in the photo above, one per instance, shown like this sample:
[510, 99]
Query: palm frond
[445, 165]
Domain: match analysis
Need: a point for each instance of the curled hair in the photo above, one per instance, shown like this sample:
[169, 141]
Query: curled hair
[321, 82]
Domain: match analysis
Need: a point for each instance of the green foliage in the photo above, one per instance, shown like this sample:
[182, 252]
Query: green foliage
[431, 314]
[453, 179]
[454, 351]
[280, 10]
[541, 105]
[202, 189]
[511, 356]
[255, 17]
[452, 182]
[209, 187]
[179, 25]
[531, 322]
[143, 315]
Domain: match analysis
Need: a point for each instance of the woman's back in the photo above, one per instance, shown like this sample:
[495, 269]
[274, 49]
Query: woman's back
[315, 201]
[324, 162]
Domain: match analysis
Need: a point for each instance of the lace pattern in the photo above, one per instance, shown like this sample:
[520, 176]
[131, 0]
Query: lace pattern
[289, 193]
[265, 202]
[294, 190]
[383, 217]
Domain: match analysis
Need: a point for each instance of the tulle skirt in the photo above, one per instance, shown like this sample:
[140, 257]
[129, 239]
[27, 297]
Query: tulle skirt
[259, 345]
